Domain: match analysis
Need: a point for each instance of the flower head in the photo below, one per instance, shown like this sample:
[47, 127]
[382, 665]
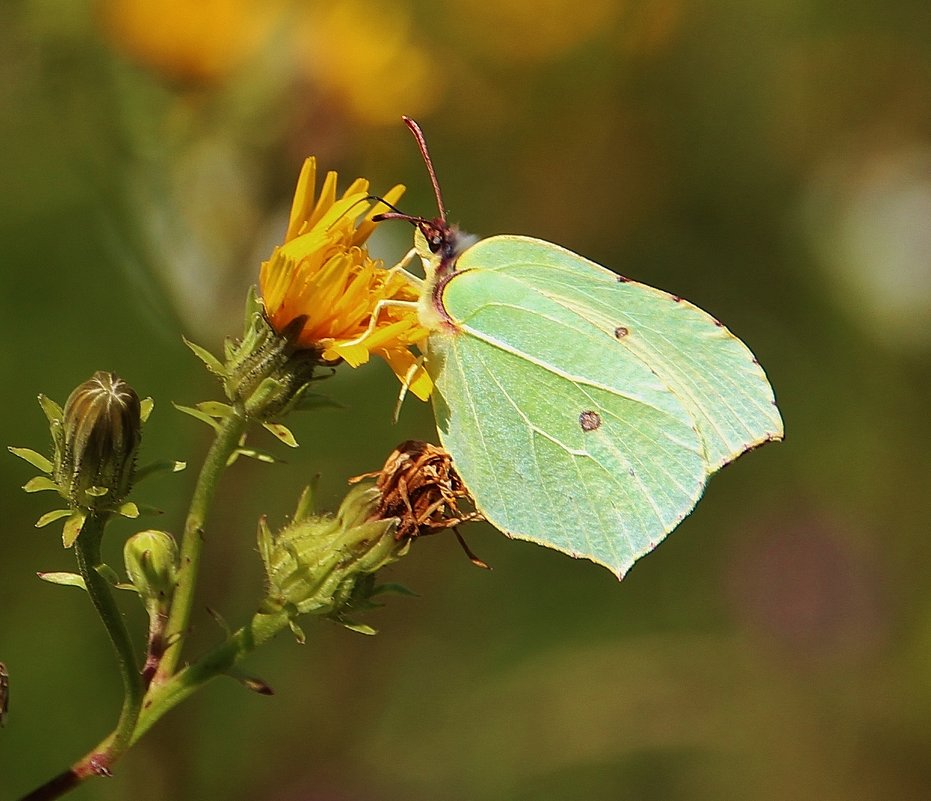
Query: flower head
[323, 289]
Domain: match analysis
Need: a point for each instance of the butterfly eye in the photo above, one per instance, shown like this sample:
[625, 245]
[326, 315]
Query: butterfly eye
[435, 243]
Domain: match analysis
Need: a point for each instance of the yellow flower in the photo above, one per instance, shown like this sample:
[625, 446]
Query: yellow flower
[348, 301]
[201, 42]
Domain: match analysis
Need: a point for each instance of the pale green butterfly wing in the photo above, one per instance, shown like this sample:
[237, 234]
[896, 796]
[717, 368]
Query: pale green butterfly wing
[712, 372]
[534, 357]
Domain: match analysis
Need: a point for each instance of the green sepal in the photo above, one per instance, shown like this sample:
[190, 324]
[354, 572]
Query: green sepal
[394, 589]
[251, 453]
[212, 363]
[298, 632]
[39, 484]
[166, 466]
[146, 405]
[359, 628]
[129, 510]
[144, 510]
[254, 306]
[310, 401]
[52, 410]
[96, 492]
[307, 503]
[197, 414]
[265, 392]
[265, 540]
[282, 432]
[220, 621]
[73, 526]
[216, 409]
[108, 574]
[64, 579]
[36, 459]
[51, 517]
[252, 683]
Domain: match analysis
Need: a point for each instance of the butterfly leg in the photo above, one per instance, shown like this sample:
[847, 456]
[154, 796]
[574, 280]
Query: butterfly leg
[401, 267]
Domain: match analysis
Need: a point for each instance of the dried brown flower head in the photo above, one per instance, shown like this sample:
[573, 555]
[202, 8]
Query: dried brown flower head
[420, 486]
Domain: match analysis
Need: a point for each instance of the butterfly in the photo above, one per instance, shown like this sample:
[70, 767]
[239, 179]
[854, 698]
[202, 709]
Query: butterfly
[583, 411]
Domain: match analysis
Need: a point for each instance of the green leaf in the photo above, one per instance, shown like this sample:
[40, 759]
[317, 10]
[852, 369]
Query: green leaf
[359, 628]
[108, 573]
[65, 579]
[73, 526]
[51, 409]
[37, 460]
[394, 589]
[146, 405]
[39, 484]
[129, 510]
[311, 401]
[197, 414]
[252, 683]
[252, 453]
[298, 632]
[265, 542]
[306, 504]
[167, 466]
[51, 517]
[282, 432]
[583, 411]
[212, 363]
[216, 409]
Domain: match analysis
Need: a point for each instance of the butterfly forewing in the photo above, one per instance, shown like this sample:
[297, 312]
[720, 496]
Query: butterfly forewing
[712, 373]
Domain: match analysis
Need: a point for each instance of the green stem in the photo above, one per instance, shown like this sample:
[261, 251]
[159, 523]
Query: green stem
[214, 663]
[168, 695]
[228, 435]
[87, 550]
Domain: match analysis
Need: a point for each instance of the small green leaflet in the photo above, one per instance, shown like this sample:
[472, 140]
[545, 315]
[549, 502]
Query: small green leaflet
[584, 411]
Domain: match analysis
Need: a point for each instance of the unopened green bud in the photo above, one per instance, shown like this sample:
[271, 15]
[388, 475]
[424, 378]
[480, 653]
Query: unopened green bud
[97, 442]
[151, 559]
[321, 565]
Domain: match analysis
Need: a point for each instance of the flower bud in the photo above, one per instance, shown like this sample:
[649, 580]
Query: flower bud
[323, 565]
[265, 371]
[97, 442]
[151, 559]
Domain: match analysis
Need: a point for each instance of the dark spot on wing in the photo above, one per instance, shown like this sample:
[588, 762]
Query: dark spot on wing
[589, 420]
[755, 360]
[676, 298]
[622, 279]
[717, 322]
[621, 331]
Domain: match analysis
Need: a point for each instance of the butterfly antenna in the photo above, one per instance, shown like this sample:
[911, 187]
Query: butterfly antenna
[384, 202]
[360, 200]
[422, 144]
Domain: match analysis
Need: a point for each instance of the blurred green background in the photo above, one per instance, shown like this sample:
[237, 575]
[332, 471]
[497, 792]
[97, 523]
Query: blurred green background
[768, 160]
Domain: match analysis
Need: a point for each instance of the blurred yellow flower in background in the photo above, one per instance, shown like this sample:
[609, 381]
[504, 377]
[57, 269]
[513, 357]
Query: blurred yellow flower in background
[530, 31]
[323, 273]
[201, 41]
[365, 56]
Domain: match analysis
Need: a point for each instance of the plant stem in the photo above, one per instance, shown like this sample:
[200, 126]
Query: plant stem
[87, 550]
[215, 662]
[227, 439]
[168, 695]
